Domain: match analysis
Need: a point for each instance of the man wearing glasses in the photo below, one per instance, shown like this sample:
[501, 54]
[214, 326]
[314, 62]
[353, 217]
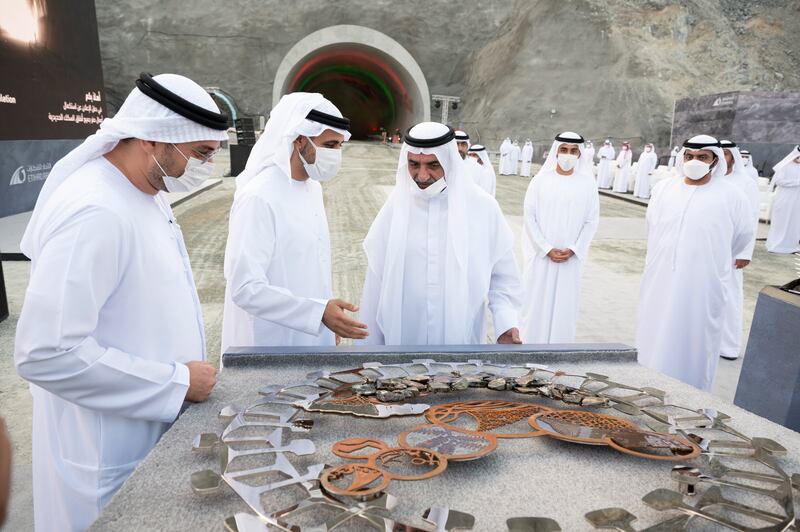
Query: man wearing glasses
[696, 222]
[111, 336]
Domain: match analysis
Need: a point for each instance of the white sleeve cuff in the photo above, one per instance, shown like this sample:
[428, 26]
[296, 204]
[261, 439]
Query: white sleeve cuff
[504, 319]
[315, 325]
[179, 385]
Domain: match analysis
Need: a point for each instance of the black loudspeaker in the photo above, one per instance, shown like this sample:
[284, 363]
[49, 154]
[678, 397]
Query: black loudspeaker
[239, 155]
[3, 298]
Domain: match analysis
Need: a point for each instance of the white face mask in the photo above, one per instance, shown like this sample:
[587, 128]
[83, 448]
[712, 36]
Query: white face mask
[695, 169]
[195, 174]
[326, 165]
[567, 161]
[431, 190]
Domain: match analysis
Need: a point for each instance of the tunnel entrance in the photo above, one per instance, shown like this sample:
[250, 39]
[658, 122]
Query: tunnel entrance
[371, 78]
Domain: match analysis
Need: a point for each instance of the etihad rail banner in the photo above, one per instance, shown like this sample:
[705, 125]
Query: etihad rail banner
[51, 91]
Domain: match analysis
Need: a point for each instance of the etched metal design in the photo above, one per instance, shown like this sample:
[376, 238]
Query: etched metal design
[489, 415]
[706, 482]
[453, 443]
[382, 466]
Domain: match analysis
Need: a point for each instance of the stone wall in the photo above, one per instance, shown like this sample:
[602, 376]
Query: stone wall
[523, 68]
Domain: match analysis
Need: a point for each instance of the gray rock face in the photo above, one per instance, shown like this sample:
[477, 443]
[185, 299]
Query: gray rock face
[607, 68]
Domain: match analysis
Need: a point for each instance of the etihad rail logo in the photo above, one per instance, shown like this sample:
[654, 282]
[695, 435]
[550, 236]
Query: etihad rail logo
[30, 174]
[19, 177]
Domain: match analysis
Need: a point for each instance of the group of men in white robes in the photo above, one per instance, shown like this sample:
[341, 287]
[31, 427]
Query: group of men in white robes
[510, 157]
[111, 336]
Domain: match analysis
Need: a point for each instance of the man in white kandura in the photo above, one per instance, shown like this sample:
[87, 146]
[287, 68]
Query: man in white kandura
[623, 165]
[748, 164]
[438, 249]
[605, 169]
[462, 143]
[732, 324]
[513, 164]
[589, 149]
[673, 156]
[278, 257]
[696, 223]
[504, 168]
[486, 179]
[527, 157]
[560, 218]
[784, 228]
[644, 172]
[111, 335]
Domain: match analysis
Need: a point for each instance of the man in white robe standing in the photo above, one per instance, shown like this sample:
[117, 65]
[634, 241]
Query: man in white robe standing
[527, 157]
[514, 158]
[732, 325]
[605, 170]
[486, 179]
[696, 223]
[623, 164]
[784, 229]
[560, 219]
[589, 148]
[644, 172]
[278, 257]
[504, 167]
[673, 156]
[462, 142]
[438, 249]
[748, 164]
[111, 334]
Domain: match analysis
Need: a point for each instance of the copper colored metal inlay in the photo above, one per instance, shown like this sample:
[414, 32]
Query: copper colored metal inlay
[489, 415]
[622, 435]
[381, 465]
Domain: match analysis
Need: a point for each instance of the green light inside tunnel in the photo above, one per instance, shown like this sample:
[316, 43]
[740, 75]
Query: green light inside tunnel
[346, 73]
[364, 85]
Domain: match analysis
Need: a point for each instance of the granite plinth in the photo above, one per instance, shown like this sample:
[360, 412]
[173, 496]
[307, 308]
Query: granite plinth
[769, 384]
[523, 477]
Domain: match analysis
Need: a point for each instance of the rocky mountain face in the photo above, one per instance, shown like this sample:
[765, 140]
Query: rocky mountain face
[527, 68]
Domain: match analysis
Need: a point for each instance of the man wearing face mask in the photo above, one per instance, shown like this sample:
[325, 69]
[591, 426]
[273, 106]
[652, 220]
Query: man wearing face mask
[111, 336]
[438, 249]
[748, 164]
[605, 172]
[696, 223]
[784, 229]
[560, 218]
[648, 161]
[278, 257]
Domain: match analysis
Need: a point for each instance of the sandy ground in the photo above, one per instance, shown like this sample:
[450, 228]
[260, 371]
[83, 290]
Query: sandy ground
[608, 305]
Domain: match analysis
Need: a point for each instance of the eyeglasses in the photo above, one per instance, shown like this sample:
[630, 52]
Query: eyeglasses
[202, 157]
